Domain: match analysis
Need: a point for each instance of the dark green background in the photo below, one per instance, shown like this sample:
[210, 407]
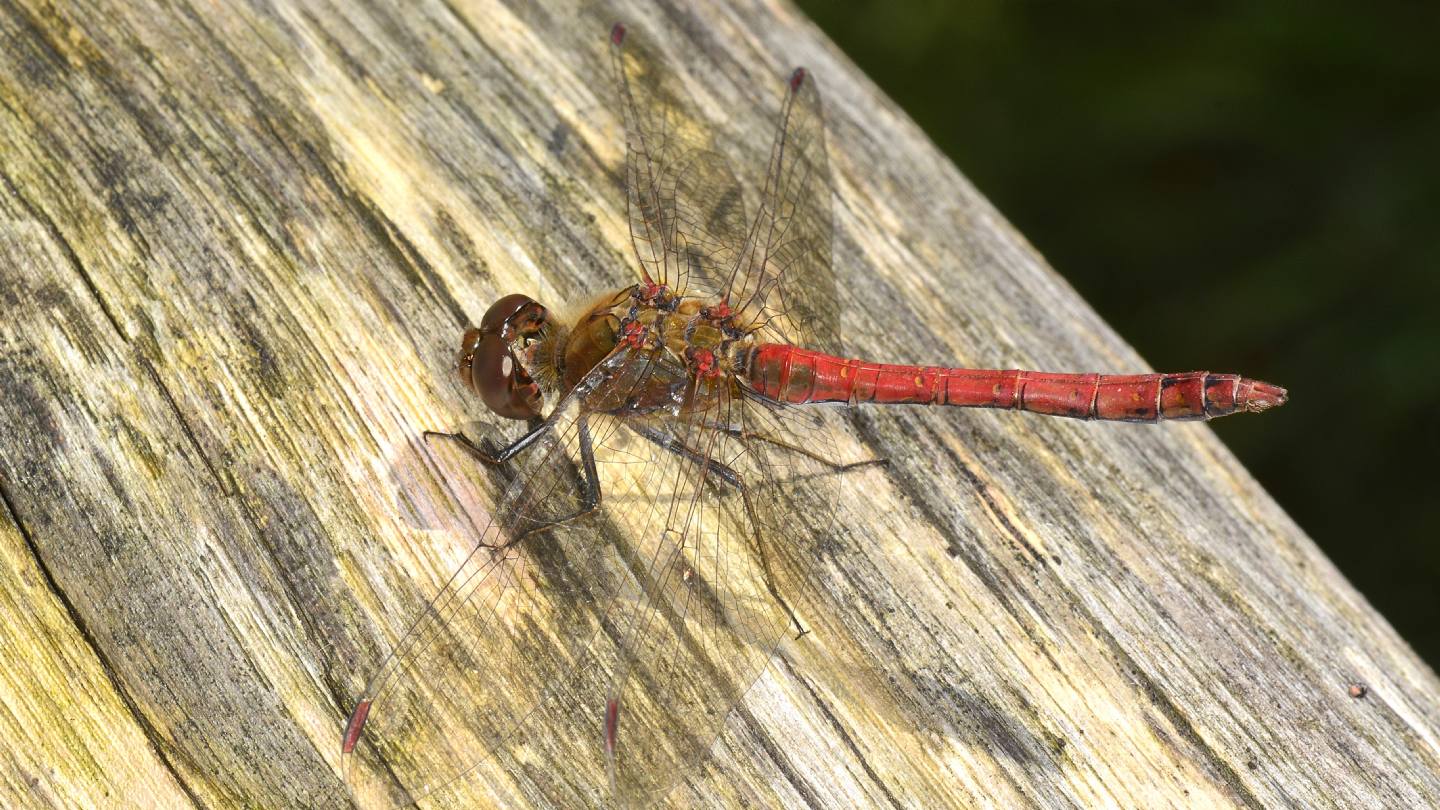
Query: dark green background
[1248, 187]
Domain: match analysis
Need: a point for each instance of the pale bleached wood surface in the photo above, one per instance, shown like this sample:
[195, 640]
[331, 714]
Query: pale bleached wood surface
[237, 245]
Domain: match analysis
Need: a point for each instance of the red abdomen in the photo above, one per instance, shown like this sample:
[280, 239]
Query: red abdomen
[790, 374]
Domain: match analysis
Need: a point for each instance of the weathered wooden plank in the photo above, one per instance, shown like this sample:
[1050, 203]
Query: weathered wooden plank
[86, 745]
[238, 247]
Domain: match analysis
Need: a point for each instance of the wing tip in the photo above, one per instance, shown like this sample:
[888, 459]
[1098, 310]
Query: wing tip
[355, 726]
[798, 79]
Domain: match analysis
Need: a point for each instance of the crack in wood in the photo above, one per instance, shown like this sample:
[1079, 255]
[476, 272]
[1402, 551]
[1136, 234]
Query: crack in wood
[152, 735]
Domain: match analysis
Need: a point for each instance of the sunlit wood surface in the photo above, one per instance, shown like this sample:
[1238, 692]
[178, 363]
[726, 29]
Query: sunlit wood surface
[237, 245]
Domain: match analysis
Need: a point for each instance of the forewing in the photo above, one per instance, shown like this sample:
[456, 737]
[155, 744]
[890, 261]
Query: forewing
[519, 610]
[694, 622]
[686, 210]
[710, 222]
[783, 280]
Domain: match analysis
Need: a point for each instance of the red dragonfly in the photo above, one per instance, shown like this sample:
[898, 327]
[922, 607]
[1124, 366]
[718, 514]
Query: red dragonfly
[624, 585]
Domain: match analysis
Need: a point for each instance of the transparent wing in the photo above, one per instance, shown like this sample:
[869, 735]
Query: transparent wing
[686, 209]
[726, 575]
[783, 278]
[519, 609]
[692, 624]
[705, 621]
[580, 662]
[710, 222]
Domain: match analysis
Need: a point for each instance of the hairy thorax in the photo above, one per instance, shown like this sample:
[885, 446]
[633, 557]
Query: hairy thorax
[684, 351]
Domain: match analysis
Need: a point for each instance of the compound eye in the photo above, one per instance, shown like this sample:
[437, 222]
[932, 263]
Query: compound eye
[465, 359]
[501, 382]
[514, 316]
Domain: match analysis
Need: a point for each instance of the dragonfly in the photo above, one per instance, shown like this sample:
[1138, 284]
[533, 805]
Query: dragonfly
[624, 589]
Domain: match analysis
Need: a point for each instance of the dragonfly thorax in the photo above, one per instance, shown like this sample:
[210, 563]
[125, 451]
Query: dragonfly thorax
[520, 355]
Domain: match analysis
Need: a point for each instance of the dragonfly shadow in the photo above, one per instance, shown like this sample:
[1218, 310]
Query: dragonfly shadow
[418, 475]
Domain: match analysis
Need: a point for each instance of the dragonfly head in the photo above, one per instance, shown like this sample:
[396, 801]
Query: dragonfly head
[489, 360]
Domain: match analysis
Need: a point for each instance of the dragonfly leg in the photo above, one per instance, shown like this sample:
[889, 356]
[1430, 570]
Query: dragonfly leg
[731, 477]
[590, 480]
[765, 564]
[589, 483]
[679, 448]
[487, 454]
[835, 466]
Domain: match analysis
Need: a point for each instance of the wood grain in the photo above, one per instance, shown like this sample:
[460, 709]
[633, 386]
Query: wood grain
[238, 244]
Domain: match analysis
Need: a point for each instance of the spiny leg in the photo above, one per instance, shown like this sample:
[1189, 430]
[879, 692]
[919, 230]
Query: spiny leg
[835, 466]
[800, 630]
[679, 448]
[590, 477]
[486, 455]
[728, 474]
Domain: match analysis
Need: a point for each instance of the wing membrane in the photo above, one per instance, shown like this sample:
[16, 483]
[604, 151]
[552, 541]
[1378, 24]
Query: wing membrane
[721, 592]
[707, 624]
[783, 278]
[520, 608]
[657, 134]
[710, 222]
[687, 211]
[659, 603]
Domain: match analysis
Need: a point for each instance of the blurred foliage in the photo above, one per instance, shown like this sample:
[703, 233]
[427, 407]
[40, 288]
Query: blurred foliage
[1248, 187]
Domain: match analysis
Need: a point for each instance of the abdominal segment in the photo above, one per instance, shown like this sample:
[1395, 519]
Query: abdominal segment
[790, 374]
